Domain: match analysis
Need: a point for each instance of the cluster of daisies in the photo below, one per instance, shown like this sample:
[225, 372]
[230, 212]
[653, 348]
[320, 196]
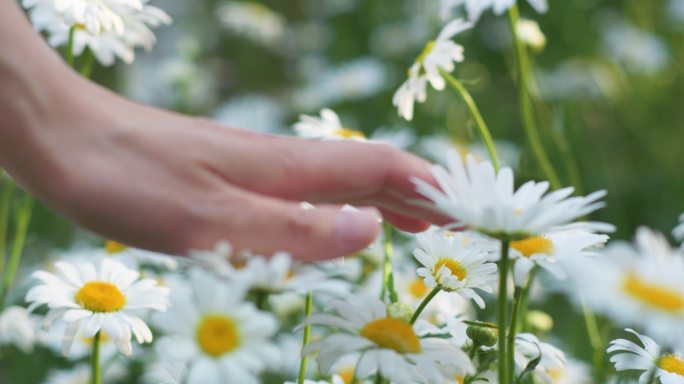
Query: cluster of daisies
[448, 305]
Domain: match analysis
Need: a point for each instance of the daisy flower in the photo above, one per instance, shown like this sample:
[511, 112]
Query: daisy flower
[474, 195]
[93, 298]
[328, 126]
[475, 8]
[387, 346]
[647, 357]
[134, 30]
[453, 265]
[214, 333]
[95, 16]
[334, 380]
[639, 285]
[440, 53]
[18, 327]
[254, 21]
[528, 347]
[551, 249]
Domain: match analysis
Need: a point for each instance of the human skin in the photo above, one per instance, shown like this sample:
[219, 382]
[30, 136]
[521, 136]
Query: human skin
[162, 181]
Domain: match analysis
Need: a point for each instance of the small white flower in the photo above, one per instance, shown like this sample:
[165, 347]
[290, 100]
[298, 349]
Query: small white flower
[647, 357]
[530, 34]
[528, 347]
[386, 346]
[18, 327]
[552, 249]
[215, 334]
[637, 50]
[81, 374]
[328, 126]
[473, 194]
[475, 8]
[92, 298]
[134, 30]
[440, 53]
[451, 263]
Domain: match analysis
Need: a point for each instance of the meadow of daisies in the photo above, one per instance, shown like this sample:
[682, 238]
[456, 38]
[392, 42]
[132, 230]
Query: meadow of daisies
[554, 129]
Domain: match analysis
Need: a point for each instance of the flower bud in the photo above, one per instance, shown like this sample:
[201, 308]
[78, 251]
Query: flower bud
[482, 334]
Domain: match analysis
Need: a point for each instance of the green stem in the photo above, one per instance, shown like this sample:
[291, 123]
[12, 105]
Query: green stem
[70, 47]
[524, 299]
[387, 263]
[6, 188]
[95, 374]
[595, 339]
[18, 242]
[501, 312]
[87, 61]
[306, 338]
[423, 304]
[526, 109]
[475, 112]
[512, 328]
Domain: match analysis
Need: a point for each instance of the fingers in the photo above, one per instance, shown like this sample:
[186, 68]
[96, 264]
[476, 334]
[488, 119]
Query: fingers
[405, 223]
[266, 225]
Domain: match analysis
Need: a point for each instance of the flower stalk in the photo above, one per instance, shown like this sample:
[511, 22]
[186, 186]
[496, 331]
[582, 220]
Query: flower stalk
[501, 312]
[423, 304]
[95, 372]
[477, 116]
[526, 108]
[308, 308]
[18, 241]
[387, 281]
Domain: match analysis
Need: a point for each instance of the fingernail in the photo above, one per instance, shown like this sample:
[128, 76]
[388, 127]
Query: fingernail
[356, 229]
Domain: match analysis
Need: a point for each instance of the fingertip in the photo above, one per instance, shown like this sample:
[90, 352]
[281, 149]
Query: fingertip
[355, 229]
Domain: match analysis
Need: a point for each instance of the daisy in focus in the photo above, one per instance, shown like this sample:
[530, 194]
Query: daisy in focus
[474, 195]
[451, 264]
[388, 346]
[640, 284]
[440, 53]
[119, 28]
[106, 297]
[552, 250]
[647, 357]
[327, 126]
[213, 333]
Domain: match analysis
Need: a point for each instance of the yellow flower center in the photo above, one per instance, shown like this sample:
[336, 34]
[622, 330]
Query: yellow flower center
[556, 374]
[533, 245]
[654, 295]
[217, 335]
[346, 375]
[100, 296]
[454, 266]
[672, 364]
[426, 51]
[417, 288]
[393, 334]
[114, 247]
[459, 379]
[347, 133]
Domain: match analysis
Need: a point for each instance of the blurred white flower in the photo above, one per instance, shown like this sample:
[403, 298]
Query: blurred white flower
[529, 33]
[18, 327]
[214, 333]
[335, 380]
[353, 80]
[134, 30]
[327, 126]
[453, 264]
[579, 79]
[438, 147]
[92, 298]
[475, 8]
[639, 285]
[398, 137]
[81, 347]
[473, 194]
[647, 357]
[254, 21]
[80, 374]
[252, 112]
[637, 50]
[551, 250]
[440, 53]
[136, 258]
[678, 232]
[96, 16]
[390, 346]
[528, 347]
